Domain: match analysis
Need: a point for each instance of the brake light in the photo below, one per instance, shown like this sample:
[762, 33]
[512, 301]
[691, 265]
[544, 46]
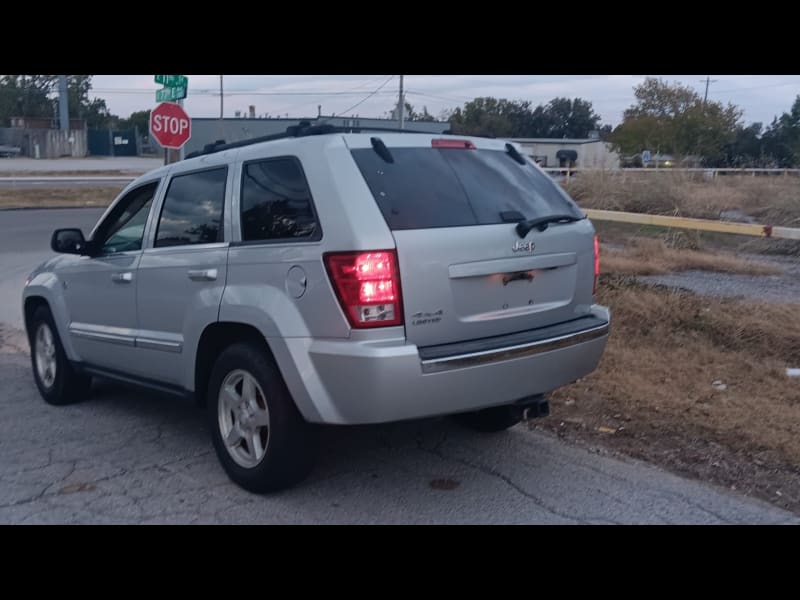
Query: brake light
[457, 144]
[596, 263]
[367, 285]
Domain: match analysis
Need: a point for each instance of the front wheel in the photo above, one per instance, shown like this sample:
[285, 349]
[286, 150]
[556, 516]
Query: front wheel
[55, 377]
[260, 437]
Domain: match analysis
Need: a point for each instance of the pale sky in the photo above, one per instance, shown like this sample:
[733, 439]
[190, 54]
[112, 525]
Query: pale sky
[761, 96]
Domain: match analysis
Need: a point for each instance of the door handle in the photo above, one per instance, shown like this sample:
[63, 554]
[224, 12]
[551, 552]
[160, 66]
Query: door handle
[203, 274]
[122, 277]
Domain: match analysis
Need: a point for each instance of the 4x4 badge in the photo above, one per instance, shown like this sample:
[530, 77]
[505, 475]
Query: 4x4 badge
[523, 246]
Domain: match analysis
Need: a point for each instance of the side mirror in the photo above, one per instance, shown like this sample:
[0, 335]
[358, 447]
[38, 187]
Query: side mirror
[68, 241]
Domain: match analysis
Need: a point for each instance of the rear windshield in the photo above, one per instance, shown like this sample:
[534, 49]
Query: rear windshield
[444, 187]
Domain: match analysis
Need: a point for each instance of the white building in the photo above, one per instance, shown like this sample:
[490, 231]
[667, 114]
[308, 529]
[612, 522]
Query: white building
[590, 153]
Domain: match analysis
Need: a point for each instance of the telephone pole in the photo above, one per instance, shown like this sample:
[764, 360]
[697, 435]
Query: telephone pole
[63, 107]
[708, 81]
[220, 97]
[402, 103]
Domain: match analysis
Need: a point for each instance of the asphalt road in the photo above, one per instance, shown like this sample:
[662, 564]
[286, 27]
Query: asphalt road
[25, 242]
[127, 456]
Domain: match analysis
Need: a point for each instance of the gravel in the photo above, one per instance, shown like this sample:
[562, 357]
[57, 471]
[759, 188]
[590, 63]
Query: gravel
[770, 288]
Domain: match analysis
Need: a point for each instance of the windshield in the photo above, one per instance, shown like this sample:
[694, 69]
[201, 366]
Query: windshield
[438, 187]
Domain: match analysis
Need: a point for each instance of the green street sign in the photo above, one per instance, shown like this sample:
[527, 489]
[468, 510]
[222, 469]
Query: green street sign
[169, 94]
[172, 80]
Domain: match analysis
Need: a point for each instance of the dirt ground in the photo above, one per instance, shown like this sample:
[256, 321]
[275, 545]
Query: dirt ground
[695, 384]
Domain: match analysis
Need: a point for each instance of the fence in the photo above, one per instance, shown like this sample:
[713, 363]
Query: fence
[45, 143]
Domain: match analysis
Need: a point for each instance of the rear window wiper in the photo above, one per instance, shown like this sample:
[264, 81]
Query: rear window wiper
[381, 149]
[541, 223]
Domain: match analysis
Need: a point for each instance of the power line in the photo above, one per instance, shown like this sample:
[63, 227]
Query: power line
[370, 95]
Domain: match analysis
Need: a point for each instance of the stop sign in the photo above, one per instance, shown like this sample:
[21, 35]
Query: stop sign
[170, 125]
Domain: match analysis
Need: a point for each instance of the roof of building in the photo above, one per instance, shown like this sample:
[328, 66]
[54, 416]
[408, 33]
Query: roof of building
[555, 140]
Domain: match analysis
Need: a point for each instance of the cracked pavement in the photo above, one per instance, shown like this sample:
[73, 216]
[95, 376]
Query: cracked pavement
[131, 456]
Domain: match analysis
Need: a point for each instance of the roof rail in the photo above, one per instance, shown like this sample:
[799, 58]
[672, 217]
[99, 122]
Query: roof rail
[302, 129]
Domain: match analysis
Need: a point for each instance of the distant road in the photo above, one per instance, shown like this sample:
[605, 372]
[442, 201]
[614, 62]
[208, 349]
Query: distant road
[33, 182]
[133, 164]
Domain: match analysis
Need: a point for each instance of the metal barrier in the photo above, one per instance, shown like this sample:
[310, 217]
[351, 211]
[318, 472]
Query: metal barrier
[770, 231]
[707, 171]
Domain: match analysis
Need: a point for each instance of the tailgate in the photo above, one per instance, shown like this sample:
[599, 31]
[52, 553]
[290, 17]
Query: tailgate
[465, 271]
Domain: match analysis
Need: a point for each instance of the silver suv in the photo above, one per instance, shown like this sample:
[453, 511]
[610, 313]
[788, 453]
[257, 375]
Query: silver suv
[326, 277]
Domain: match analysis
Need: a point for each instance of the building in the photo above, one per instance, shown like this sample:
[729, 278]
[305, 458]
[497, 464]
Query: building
[208, 130]
[589, 153]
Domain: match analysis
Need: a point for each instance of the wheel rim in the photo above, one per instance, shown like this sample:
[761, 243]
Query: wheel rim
[243, 418]
[46, 362]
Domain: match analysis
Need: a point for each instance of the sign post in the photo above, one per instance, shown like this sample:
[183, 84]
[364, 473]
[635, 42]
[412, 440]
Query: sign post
[174, 90]
[170, 125]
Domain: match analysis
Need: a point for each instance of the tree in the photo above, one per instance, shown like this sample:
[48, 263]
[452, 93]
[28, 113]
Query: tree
[782, 139]
[671, 118]
[36, 96]
[565, 118]
[138, 120]
[492, 118]
[26, 96]
[559, 118]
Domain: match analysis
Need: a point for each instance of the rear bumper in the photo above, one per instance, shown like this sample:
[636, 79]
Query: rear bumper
[348, 382]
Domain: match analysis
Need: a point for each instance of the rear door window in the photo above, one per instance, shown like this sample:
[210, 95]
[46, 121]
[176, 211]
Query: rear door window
[433, 187]
[192, 212]
[276, 202]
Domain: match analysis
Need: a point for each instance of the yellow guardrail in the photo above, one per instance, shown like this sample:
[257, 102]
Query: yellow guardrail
[770, 231]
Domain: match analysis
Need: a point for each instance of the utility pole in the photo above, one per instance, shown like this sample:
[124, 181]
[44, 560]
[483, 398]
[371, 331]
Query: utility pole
[63, 107]
[708, 81]
[402, 103]
[220, 97]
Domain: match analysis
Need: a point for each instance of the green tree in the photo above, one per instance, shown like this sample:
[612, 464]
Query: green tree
[36, 96]
[564, 118]
[26, 96]
[671, 118]
[138, 120]
[747, 149]
[492, 118]
[782, 139]
[559, 118]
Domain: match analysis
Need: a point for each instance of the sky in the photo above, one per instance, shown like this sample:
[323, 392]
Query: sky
[762, 97]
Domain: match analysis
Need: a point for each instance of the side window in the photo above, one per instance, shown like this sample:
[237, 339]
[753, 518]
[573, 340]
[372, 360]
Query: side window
[124, 228]
[276, 202]
[192, 212]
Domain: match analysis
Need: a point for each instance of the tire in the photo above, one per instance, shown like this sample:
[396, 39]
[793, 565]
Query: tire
[66, 385]
[263, 453]
[490, 420]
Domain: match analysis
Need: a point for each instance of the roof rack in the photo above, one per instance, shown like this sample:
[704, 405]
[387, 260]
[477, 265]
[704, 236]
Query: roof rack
[302, 129]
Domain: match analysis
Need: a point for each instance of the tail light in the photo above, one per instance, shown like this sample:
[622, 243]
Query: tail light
[367, 285]
[596, 263]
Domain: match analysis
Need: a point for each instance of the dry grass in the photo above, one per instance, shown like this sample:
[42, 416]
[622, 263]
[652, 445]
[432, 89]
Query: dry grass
[653, 388]
[646, 256]
[56, 198]
[772, 200]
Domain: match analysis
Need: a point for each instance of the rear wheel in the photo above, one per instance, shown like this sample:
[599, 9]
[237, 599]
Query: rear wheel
[57, 380]
[490, 420]
[260, 437]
